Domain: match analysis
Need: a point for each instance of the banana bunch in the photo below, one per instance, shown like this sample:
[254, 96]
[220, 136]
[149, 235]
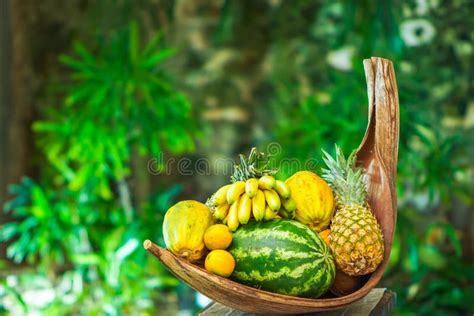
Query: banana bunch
[262, 199]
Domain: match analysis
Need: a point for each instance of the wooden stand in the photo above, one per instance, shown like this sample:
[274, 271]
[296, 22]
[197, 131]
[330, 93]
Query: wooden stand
[378, 302]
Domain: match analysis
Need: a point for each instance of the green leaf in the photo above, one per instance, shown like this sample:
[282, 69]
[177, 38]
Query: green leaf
[73, 63]
[84, 53]
[152, 44]
[8, 230]
[133, 42]
[162, 282]
[99, 96]
[17, 297]
[44, 126]
[114, 239]
[16, 252]
[40, 205]
[104, 189]
[395, 252]
[157, 57]
[27, 224]
[82, 92]
[432, 257]
[412, 253]
[88, 259]
[80, 178]
[453, 238]
[126, 249]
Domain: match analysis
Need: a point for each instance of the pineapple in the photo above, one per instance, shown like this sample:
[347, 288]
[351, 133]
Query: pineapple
[255, 166]
[356, 238]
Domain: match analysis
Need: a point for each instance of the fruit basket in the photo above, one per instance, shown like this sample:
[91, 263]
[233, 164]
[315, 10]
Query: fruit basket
[377, 154]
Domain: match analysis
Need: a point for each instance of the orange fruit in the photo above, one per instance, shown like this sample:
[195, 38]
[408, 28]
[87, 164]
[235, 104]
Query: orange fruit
[217, 236]
[220, 262]
[325, 235]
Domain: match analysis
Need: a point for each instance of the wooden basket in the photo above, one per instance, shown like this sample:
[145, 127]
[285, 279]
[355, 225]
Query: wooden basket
[377, 153]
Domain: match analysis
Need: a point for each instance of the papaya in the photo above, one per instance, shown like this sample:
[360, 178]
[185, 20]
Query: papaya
[183, 229]
[314, 200]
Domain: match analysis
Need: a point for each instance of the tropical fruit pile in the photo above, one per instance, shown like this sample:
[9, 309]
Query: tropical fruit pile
[301, 237]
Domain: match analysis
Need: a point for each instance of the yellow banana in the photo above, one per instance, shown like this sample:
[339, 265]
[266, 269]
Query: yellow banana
[221, 211]
[245, 209]
[282, 189]
[235, 190]
[269, 214]
[289, 205]
[220, 197]
[258, 206]
[251, 187]
[273, 200]
[266, 183]
[233, 217]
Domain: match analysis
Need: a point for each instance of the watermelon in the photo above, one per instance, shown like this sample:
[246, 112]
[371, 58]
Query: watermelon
[282, 256]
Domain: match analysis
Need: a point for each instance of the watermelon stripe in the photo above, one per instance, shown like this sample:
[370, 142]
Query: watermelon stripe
[279, 253]
[268, 262]
[274, 242]
[285, 271]
[270, 272]
[288, 281]
[282, 235]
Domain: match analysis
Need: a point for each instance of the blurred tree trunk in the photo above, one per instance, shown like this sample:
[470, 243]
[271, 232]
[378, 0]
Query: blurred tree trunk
[20, 140]
[32, 35]
[17, 97]
[5, 55]
[17, 110]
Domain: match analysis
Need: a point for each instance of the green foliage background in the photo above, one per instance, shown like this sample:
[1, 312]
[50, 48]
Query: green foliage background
[210, 79]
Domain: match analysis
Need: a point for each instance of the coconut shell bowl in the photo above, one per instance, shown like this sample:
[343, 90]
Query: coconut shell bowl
[377, 153]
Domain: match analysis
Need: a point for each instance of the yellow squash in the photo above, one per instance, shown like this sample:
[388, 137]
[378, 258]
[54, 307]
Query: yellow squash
[183, 229]
[313, 198]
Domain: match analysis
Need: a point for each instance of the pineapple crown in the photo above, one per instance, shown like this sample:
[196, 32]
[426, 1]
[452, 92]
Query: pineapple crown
[255, 165]
[346, 179]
